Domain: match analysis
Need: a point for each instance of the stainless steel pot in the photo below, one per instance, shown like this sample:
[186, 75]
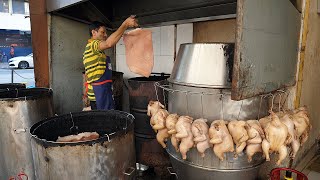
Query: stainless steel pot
[213, 104]
[204, 65]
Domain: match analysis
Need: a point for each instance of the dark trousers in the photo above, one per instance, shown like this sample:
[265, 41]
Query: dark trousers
[103, 94]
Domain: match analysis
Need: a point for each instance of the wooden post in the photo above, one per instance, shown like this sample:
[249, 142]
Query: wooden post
[39, 32]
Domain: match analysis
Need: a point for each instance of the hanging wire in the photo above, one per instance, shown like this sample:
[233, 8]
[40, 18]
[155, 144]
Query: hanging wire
[72, 122]
[272, 101]
[156, 84]
[202, 106]
[187, 102]
[164, 98]
[261, 97]
[222, 110]
[240, 110]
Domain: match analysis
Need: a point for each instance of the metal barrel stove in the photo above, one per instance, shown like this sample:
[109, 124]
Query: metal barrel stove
[12, 86]
[148, 151]
[200, 87]
[111, 156]
[19, 110]
[117, 89]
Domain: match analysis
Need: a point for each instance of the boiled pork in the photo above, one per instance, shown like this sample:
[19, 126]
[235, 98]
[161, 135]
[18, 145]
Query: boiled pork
[139, 51]
[85, 136]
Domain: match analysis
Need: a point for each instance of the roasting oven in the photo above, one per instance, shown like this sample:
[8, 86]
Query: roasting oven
[200, 87]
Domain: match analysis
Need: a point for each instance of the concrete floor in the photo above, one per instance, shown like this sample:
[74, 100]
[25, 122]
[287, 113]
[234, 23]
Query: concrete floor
[313, 170]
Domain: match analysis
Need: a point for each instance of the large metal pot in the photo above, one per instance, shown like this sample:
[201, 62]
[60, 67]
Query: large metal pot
[204, 65]
[19, 109]
[12, 86]
[213, 104]
[112, 156]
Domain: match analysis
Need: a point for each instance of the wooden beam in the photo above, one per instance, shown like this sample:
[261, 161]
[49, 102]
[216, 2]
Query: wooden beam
[39, 32]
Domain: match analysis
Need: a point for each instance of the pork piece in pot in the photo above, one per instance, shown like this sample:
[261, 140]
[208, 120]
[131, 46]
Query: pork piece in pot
[183, 128]
[85, 136]
[220, 138]
[200, 131]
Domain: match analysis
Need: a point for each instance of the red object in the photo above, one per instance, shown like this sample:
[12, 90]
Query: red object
[275, 174]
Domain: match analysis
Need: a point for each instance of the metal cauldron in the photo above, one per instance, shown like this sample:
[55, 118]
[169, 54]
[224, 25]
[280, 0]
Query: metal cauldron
[19, 109]
[12, 86]
[204, 65]
[200, 87]
[112, 156]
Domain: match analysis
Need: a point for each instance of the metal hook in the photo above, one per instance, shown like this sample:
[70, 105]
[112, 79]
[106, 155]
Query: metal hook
[222, 110]
[202, 105]
[261, 97]
[187, 102]
[240, 110]
[272, 101]
[108, 137]
[72, 121]
[156, 89]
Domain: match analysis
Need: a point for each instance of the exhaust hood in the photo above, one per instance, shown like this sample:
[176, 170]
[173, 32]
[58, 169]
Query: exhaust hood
[149, 12]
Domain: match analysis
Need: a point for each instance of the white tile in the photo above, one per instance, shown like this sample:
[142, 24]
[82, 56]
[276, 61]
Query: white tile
[167, 40]
[122, 67]
[163, 64]
[155, 40]
[120, 48]
[184, 34]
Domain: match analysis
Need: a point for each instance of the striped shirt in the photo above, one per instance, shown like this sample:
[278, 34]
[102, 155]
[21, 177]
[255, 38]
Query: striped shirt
[94, 62]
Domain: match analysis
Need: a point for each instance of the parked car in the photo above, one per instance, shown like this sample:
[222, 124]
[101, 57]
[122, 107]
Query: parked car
[21, 62]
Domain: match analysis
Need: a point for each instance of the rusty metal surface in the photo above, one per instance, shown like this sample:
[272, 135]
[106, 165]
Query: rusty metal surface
[40, 47]
[109, 157]
[101, 160]
[266, 47]
[17, 115]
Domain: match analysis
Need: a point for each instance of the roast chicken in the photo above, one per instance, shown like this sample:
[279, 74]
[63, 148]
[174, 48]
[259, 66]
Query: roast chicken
[200, 131]
[220, 138]
[256, 135]
[171, 122]
[183, 128]
[293, 142]
[153, 107]
[302, 124]
[276, 138]
[239, 135]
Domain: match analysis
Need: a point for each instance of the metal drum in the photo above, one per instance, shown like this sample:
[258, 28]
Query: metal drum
[117, 85]
[142, 90]
[111, 156]
[19, 109]
[12, 86]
